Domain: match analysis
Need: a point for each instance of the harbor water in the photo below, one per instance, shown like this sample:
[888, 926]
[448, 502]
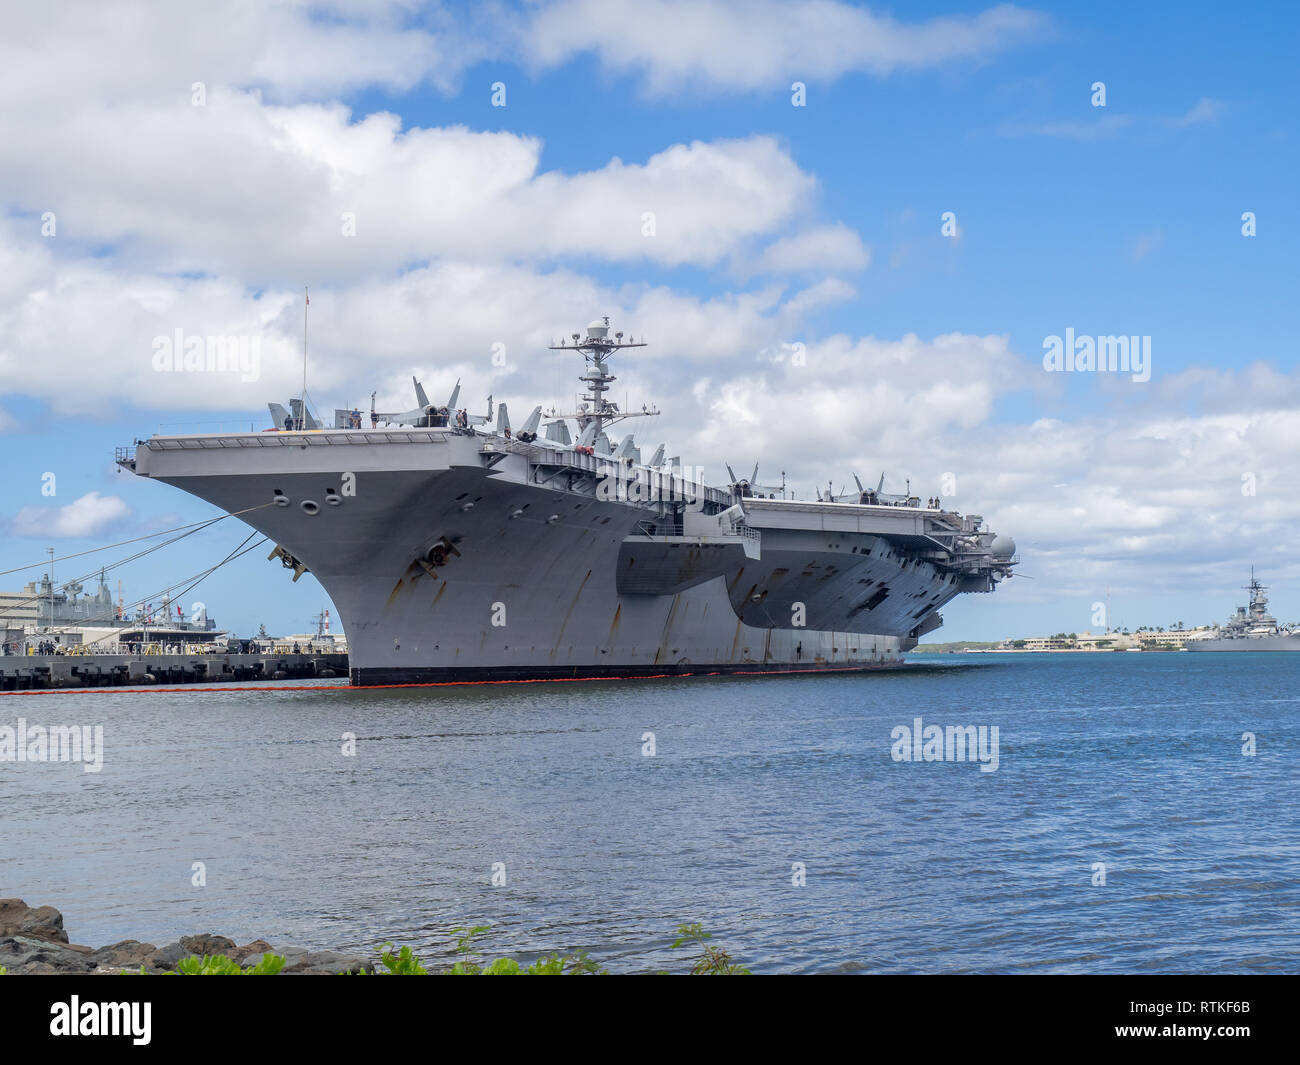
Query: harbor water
[1123, 830]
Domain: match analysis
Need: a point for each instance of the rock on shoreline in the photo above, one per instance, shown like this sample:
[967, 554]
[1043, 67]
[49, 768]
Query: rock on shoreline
[32, 941]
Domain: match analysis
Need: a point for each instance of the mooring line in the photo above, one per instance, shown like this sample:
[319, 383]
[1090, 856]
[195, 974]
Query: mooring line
[193, 527]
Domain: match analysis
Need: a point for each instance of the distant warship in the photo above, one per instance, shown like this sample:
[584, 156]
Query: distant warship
[456, 550]
[1251, 628]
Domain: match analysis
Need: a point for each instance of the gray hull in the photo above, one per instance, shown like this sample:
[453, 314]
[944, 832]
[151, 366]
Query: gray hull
[1281, 642]
[548, 580]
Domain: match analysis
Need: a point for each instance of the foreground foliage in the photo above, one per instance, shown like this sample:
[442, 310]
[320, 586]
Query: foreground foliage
[405, 963]
[220, 965]
[713, 960]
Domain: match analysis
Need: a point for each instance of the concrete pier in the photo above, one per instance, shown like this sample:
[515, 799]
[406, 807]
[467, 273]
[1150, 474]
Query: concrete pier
[108, 670]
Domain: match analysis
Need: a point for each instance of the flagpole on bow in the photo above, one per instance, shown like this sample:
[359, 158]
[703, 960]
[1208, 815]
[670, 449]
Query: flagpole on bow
[302, 399]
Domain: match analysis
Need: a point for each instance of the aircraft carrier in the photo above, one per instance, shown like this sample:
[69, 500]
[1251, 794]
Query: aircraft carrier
[455, 549]
[1251, 628]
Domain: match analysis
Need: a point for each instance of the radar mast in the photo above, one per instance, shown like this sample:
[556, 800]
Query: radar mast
[596, 348]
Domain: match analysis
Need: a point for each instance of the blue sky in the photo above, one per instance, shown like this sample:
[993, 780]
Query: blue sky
[1117, 220]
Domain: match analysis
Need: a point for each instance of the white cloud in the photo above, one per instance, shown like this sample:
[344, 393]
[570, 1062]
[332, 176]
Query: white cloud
[1257, 386]
[820, 249]
[1146, 243]
[825, 293]
[1092, 129]
[59, 54]
[293, 50]
[1103, 126]
[679, 45]
[87, 516]
[1132, 501]
[856, 402]
[93, 322]
[263, 192]
[1204, 110]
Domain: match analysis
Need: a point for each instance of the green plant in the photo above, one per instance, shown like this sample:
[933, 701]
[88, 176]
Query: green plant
[582, 964]
[466, 966]
[465, 943]
[403, 963]
[469, 963]
[220, 965]
[714, 961]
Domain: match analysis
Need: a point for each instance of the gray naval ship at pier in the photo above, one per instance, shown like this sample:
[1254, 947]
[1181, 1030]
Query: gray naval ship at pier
[456, 549]
[1250, 628]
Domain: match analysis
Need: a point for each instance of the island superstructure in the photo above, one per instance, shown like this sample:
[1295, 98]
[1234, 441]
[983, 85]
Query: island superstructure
[456, 549]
